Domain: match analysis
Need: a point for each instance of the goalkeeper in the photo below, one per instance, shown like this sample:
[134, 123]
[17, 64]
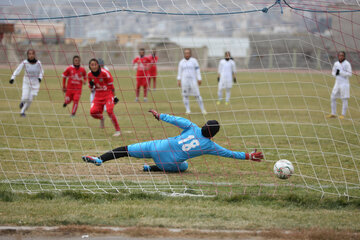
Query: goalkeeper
[170, 154]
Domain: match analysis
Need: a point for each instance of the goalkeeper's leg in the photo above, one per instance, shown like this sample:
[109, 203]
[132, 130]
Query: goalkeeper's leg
[152, 168]
[180, 167]
[137, 150]
[113, 154]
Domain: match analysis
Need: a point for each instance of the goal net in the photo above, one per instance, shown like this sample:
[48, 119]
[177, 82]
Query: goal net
[284, 52]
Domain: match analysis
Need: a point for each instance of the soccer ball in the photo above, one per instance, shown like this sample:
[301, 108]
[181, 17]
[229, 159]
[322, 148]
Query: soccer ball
[283, 169]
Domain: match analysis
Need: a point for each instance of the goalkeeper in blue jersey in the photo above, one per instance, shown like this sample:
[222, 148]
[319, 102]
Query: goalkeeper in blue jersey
[170, 154]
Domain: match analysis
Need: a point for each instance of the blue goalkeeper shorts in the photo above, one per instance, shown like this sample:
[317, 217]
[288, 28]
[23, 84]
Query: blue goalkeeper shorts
[164, 158]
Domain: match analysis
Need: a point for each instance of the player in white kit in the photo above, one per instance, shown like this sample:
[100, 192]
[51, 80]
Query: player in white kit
[226, 77]
[341, 71]
[189, 79]
[31, 81]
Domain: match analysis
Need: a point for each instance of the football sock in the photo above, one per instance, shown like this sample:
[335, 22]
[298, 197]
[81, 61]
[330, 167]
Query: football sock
[344, 106]
[200, 102]
[115, 153]
[333, 106]
[220, 95]
[228, 93]
[26, 105]
[74, 108]
[154, 168]
[186, 103]
[137, 91]
[145, 91]
[114, 121]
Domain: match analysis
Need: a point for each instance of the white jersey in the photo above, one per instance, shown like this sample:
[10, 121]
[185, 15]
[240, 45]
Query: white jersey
[32, 72]
[189, 71]
[342, 86]
[189, 74]
[226, 70]
[345, 71]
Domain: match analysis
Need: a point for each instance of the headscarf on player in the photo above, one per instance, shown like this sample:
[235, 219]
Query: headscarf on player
[210, 129]
[34, 60]
[96, 73]
[76, 57]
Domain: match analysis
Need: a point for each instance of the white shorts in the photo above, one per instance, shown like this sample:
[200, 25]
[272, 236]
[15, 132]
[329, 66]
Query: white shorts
[223, 84]
[341, 91]
[190, 91]
[29, 90]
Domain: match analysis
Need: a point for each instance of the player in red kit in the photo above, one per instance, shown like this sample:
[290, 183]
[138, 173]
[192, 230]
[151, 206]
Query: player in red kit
[102, 81]
[76, 76]
[153, 68]
[142, 73]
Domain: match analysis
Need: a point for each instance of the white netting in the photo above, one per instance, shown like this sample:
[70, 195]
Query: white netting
[279, 104]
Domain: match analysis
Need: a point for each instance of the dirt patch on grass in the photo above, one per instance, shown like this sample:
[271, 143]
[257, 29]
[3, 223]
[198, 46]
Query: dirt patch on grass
[147, 232]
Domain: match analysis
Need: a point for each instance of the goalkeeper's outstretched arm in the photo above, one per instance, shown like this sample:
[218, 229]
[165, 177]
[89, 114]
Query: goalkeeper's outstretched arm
[221, 151]
[180, 122]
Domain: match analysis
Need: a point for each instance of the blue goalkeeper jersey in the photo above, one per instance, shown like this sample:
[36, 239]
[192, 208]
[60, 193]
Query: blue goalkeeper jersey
[169, 153]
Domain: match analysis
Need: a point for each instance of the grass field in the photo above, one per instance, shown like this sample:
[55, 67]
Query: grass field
[282, 114]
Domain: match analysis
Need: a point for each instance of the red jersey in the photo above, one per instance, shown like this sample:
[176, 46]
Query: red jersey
[143, 63]
[104, 83]
[75, 77]
[153, 59]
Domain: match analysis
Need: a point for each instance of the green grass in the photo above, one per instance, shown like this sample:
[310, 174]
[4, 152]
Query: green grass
[238, 212]
[281, 114]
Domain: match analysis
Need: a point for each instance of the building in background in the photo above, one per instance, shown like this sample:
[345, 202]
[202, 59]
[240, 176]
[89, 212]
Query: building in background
[128, 39]
[39, 32]
[6, 29]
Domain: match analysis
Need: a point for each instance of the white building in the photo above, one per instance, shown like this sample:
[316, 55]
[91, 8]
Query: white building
[238, 47]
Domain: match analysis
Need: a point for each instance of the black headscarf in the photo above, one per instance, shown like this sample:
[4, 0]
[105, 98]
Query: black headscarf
[33, 61]
[210, 129]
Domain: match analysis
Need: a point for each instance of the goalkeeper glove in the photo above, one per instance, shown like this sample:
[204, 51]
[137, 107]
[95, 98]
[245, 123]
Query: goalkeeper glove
[337, 72]
[234, 79]
[254, 156]
[116, 100]
[11, 81]
[155, 114]
[39, 80]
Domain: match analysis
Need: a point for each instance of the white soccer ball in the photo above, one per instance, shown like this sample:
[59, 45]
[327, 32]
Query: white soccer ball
[283, 169]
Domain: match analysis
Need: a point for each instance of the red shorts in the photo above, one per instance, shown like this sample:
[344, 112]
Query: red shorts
[142, 79]
[97, 106]
[72, 95]
[153, 72]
